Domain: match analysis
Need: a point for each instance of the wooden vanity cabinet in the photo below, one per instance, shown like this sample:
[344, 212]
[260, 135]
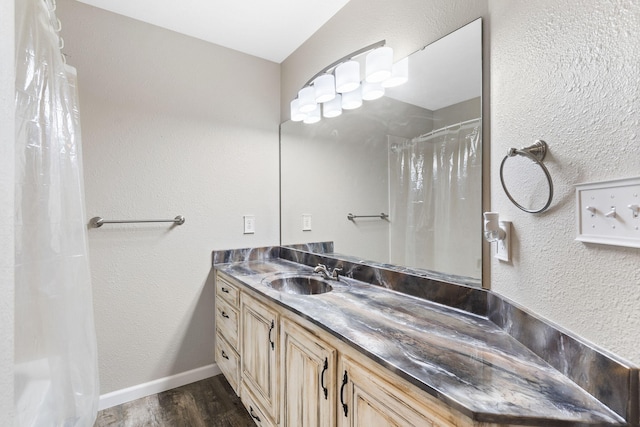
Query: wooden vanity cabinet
[292, 373]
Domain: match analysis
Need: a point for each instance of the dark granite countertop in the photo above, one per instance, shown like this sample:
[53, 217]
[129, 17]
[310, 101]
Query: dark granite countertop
[463, 359]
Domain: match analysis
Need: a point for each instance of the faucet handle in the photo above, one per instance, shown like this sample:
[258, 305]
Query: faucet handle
[336, 272]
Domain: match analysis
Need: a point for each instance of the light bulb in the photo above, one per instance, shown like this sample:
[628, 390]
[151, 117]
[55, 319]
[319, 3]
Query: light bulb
[352, 100]
[378, 64]
[371, 91]
[296, 114]
[399, 74]
[307, 99]
[347, 76]
[313, 116]
[325, 87]
[332, 108]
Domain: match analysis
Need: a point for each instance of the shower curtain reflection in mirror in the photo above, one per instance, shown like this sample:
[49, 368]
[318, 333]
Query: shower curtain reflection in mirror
[56, 377]
[434, 198]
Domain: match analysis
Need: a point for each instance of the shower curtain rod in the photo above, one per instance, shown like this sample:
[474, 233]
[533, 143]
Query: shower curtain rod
[433, 132]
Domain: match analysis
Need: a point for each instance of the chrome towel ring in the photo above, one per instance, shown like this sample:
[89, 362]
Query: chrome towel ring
[536, 153]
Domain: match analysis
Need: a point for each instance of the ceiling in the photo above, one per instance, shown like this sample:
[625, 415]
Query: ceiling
[269, 29]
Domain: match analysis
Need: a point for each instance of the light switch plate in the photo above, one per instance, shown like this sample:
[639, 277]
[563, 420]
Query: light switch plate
[503, 247]
[608, 212]
[249, 224]
[306, 222]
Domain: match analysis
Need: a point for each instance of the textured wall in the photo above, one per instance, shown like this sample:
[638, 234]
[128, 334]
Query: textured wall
[568, 72]
[171, 125]
[7, 143]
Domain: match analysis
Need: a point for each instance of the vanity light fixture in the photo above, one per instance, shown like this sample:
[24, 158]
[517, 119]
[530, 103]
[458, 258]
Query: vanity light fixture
[313, 116]
[347, 76]
[371, 91]
[399, 74]
[332, 108]
[307, 99]
[352, 100]
[325, 88]
[379, 63]
[340, 86]
[296, 114]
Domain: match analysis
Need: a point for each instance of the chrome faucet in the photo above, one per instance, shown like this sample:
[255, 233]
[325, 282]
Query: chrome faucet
[322, 269]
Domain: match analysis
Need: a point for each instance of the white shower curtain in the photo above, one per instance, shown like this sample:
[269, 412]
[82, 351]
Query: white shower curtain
[435, 184]
[56, 377]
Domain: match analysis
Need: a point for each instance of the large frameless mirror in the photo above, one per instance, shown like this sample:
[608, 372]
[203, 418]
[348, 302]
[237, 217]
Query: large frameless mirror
[399, 180]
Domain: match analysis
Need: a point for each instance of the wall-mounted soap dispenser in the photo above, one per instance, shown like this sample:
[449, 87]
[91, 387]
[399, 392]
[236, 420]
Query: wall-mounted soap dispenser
[499, 232]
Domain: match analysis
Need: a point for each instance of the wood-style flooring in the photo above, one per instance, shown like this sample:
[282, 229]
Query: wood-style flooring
[206, 403]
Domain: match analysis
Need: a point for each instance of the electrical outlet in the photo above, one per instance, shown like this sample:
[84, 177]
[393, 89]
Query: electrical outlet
[503, 247]
[249, 224]
[306, 222]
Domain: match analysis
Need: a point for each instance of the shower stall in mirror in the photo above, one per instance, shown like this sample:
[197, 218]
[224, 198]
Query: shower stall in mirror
[415, 154]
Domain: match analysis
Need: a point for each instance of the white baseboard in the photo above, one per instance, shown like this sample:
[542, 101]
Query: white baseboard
[128, 394]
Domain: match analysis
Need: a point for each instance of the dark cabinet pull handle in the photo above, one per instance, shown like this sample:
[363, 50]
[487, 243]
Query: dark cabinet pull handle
[324, 369]
[345, 379]
[225, 315]
[252, 414]
[273, 325]
[225, 355]
[225, 290]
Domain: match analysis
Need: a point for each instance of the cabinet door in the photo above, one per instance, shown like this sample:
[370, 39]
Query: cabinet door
[308, 379]
[259, 353]
[367, 400]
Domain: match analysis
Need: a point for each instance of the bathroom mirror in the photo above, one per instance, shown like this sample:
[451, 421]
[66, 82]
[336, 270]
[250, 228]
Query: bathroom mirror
[414, 155]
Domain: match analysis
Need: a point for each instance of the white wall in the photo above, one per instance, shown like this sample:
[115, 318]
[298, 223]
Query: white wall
[567, 72]
[7, 147]
[170, 125]
[564, 71]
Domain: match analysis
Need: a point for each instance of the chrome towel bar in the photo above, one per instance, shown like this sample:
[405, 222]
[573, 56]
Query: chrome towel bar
[97, 221]
[383, 215]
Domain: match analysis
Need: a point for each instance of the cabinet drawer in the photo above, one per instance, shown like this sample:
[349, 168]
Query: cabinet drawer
[227, 291]
[255, 409]
[227, 322]
[228, 362]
